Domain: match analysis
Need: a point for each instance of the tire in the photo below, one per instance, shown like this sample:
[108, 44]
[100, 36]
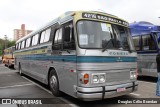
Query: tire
[54, 83]
[8, 65]
[20, 70]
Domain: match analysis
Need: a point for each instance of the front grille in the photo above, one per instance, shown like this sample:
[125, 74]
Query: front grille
[117, 76]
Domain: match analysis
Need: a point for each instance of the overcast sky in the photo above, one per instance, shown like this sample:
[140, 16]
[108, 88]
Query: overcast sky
[35, 13]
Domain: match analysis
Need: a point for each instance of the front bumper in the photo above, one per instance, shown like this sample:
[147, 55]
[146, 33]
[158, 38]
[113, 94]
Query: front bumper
[103, 92]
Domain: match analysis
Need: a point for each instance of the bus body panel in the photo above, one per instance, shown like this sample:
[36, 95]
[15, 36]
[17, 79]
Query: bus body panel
[38, 66]
[147, 65]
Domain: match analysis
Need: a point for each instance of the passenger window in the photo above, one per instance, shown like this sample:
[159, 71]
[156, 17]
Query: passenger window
[19, 46]
[45, 35]
[23, 44]
[69, 41]
[28, 41]
[42, 37]
[56, 36]
[35, 40]
[16, 46]
[137, 44]
[58, 39]
[148, 43]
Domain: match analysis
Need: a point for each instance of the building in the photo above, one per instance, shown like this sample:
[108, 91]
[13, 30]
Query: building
[19, 33]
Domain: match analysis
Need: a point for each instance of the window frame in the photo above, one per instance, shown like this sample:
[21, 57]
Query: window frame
[69, 24]
[44, 32]
[33, 40]
[58, 44]
[153, 38]
[27, 43]
[23, 44]
[19, 45]
[140, 42]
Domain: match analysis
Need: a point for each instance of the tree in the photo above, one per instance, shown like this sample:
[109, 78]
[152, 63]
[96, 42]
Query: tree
[2, 44]
[11, 43]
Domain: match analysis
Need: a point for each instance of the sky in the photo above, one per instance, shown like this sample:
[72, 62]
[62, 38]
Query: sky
[36, 13]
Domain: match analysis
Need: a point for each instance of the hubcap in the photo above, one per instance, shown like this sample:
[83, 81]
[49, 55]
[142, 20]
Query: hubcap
[53, 83]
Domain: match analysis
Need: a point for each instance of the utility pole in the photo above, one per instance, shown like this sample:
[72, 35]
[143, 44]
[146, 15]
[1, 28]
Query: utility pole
[5, 42]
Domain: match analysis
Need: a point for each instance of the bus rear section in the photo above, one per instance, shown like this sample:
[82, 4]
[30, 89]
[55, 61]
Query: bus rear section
[8, 57]
[106, 60]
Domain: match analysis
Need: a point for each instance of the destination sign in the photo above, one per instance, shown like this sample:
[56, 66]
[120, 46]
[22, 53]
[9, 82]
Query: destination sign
[104, 18]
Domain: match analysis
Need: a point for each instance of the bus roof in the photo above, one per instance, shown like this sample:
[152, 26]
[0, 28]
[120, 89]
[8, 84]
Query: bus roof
[62, 19]
[143, 27]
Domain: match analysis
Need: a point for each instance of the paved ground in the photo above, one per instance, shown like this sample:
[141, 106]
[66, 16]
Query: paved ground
[12, 85]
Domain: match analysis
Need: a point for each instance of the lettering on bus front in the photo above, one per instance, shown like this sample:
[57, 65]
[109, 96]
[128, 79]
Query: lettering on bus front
[105, 18]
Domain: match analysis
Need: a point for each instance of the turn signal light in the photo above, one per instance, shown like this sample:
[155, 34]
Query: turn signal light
[86, 78]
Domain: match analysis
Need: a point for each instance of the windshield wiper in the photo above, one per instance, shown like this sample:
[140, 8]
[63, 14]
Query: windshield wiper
[108, 44]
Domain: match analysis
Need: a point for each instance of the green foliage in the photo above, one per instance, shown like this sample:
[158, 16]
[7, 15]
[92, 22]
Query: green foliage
[11, 43]
[1, 46]
[8, 43]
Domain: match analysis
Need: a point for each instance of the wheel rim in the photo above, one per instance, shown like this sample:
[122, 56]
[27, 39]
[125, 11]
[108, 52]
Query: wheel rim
[53, 83]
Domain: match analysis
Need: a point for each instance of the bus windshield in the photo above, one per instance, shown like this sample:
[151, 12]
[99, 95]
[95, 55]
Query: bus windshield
[99, 35]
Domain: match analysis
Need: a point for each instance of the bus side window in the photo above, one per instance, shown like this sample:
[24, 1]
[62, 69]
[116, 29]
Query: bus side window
[23, 44]
[35, 39]
[28, 42]
[68, 38]
[148, 43]
[19, 46]
[137, 43]
[58, 39]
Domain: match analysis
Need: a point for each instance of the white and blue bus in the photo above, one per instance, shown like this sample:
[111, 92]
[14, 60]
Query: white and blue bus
[86, 54]
[146, 38]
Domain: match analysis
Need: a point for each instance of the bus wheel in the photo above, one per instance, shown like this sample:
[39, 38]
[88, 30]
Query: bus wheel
[20, 70]
[54, 83]
[8, 65]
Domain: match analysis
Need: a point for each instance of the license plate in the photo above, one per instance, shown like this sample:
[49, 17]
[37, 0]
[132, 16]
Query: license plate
[121, 89]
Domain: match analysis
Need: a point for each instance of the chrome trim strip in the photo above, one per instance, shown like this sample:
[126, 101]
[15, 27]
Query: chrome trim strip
[89, 96]
[96, 89]
[108, 88]
[110, 94]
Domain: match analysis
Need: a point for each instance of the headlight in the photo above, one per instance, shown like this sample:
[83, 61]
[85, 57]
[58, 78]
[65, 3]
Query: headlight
[133, 75]
[102, 78]
[95, 79]
[98, 78]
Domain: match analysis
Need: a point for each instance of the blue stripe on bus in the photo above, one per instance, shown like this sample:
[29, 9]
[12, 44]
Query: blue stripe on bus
[105, 59]
[74, 58]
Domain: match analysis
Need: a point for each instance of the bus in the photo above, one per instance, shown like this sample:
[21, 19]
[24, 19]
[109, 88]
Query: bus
[88, 55]
[146, 38]
[8, 57]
